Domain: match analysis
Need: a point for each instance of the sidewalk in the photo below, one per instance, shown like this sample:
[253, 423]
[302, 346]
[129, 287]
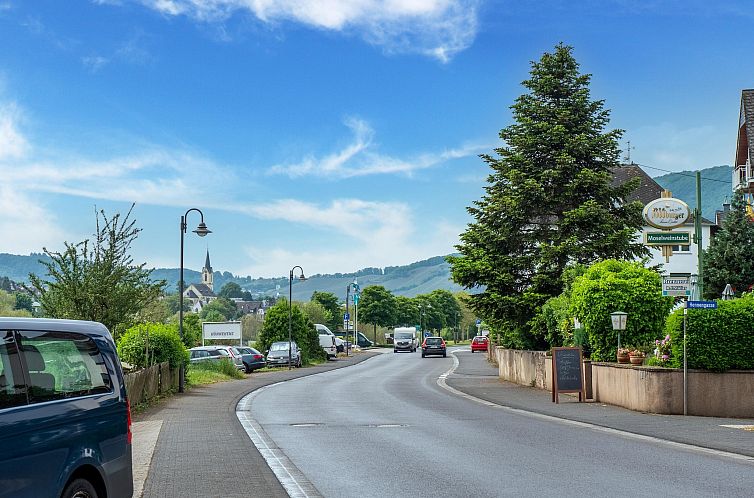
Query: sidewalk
[197, 445]
[479, 378]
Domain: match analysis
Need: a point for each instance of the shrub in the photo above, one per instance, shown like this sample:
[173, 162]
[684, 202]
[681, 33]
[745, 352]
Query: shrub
[717, 339]
[149, 343]
[225, 367]
[275, 328]
[612, 285]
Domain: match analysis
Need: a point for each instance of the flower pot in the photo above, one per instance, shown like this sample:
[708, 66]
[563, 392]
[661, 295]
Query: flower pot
[636, 360]
[623, 358]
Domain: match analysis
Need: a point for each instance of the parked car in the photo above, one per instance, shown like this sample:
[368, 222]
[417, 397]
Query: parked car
[65, 419]
[252, 359]
[278, 354]
[434, 346]
[202, 353]
[231, 351]
[327, 340]
[362, 342]
[479, 343]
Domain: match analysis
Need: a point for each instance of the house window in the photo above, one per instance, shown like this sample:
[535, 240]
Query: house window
[681, 248]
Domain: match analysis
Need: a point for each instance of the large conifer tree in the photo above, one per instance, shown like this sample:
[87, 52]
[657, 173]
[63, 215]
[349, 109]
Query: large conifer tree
[549, 202]
[730, 256]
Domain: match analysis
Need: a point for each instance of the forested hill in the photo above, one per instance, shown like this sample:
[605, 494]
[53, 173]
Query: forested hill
[716, 187]
[410, 280]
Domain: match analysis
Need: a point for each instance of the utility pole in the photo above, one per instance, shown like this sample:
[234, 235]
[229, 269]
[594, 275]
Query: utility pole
[698, 234]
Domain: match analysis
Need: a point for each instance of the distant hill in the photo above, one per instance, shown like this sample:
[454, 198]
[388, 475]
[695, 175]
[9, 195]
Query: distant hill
[717, 188]
[410, 280]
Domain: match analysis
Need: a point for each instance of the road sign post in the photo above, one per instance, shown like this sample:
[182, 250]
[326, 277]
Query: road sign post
[676, 286]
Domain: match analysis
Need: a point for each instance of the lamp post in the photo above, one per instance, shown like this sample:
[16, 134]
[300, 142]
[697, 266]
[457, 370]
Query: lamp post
[201, 231]
[356, 289]
[290, 309]
[619, 322]
[423, 307]
[455, 330]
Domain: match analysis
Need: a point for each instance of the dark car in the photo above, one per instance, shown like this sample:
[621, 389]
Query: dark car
[201, 353]
[252, 359]
[278, 354]
[362, 342]
[434, 346]
[65, 420]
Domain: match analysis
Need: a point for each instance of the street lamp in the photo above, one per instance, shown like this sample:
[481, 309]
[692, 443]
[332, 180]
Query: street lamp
[423, 307]
[356, 315]
[201, 231]
[290, 309]
[619, 322]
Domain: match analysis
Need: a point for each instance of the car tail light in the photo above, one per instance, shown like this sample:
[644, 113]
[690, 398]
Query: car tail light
[129, 434]
[257, 356]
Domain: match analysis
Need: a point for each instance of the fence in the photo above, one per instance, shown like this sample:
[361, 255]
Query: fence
[148, 383]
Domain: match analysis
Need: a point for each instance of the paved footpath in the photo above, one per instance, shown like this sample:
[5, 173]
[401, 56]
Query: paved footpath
[193, 444]
[479, 378]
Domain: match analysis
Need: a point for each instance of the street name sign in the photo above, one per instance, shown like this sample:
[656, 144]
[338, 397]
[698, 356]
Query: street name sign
[667, 238]
[676, 286]
[702, 305]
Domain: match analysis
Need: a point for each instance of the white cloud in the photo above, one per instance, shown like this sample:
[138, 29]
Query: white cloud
[358, 158]
[13, 144]
[94, 62]
[27, 226]
[435, 28]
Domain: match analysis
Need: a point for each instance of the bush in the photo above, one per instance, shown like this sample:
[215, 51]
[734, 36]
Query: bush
[717, 340]
[150, 343]
[610, 286]
[303, 333]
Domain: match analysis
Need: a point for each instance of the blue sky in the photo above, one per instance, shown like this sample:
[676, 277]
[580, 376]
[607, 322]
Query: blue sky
[331, 134]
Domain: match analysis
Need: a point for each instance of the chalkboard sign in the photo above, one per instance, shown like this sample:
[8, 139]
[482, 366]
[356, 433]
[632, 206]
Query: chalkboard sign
[567, 372]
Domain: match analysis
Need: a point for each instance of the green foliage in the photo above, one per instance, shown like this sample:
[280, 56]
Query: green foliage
[330, 302]
[24, 302]
[98, 281]
[315, 312]
[730, 256]
[150, 343]
[219, 310]
[230, 290]
[8, 305]
[717, 339]
[275, 328]
[553, 323]
[610, 286]
[224, 367]
[406, 312]
[192, 330]
[377, 306]
[549, 202]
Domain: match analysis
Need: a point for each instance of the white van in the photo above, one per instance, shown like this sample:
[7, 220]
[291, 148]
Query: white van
[404, 339]
[327, 340]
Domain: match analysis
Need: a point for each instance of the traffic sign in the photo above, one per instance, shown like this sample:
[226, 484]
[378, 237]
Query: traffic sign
[478, 322]
[703, 305]
[667, 238]
[676, 286]
[427, 334]
[346, 316]
[356, 298]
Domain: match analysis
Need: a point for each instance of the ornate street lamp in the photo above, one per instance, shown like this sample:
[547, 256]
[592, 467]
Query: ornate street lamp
[619, 322]
[201, 231]
[290, 309]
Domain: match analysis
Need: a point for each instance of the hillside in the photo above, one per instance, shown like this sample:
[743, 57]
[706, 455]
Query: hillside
[716, 187]
[410, 280]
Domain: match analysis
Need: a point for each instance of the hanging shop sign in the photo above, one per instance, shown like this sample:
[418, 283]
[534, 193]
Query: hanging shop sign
[666, 213]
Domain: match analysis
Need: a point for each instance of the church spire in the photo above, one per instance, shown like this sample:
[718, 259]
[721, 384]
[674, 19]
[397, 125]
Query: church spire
[207, 273]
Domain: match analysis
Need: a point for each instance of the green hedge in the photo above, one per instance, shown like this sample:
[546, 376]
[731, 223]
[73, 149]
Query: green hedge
[718, 340]
[149, 343]
[627, 286]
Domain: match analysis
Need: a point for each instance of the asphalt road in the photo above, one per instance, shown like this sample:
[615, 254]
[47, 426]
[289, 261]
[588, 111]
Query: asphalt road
[385, 428]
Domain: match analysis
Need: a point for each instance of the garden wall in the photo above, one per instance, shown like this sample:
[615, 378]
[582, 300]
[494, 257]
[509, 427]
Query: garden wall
[641, 388]
[148, 383]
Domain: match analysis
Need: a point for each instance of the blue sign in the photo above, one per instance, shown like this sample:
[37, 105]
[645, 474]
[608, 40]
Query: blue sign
[427, 334]
[705, 305]
[356, 299]
[478, 322]
[346, 316]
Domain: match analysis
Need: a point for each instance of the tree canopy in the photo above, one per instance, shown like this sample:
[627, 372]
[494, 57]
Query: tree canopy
[97, 280]
[549, 202]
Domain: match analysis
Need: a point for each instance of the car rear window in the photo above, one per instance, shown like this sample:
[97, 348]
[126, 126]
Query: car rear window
[62, 365]
[434, 341]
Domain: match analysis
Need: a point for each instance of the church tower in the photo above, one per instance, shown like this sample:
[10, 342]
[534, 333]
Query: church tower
[207, 273]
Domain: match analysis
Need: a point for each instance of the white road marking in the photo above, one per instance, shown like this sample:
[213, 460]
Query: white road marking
[441, 381]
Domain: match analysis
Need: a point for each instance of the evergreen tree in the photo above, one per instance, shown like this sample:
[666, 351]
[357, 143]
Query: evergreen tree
[549, 202]
[730, 256]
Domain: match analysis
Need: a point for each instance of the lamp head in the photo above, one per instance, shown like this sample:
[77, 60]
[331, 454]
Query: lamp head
[302, 277]
[202, 230]
[619, 320]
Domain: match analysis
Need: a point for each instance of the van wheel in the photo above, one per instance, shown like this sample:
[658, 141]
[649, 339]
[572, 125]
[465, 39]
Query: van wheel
[79, 488]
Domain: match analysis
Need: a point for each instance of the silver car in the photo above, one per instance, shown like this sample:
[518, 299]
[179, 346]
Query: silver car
[278, 354]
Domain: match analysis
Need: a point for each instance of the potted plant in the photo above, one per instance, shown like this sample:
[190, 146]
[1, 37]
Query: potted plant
[636, 356]
[623, 356]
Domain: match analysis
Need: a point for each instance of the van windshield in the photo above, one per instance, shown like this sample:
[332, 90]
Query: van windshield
[404, 335]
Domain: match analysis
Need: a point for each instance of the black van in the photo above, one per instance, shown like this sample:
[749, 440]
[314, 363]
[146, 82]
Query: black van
[65, 421]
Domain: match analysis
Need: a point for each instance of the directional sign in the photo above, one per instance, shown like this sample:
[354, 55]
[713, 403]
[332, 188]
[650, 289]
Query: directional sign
[676, 286]
[704, 305]
[667, 238]
[356, 298]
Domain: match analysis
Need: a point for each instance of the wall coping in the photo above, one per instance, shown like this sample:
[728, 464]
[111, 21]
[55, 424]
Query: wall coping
[650, 368]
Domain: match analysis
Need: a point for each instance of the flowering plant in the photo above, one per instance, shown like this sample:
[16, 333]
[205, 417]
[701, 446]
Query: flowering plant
[636, 352]
[662, 349]
[623, 351]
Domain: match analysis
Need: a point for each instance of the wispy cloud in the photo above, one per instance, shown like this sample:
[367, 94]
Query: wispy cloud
[669, 147]
[13, 145]
[359, 158]
[435, 28]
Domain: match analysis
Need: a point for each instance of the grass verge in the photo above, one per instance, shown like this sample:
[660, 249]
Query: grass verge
[210, 372]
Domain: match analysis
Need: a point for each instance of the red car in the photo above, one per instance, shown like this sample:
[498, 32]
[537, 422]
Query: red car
[479, 343]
